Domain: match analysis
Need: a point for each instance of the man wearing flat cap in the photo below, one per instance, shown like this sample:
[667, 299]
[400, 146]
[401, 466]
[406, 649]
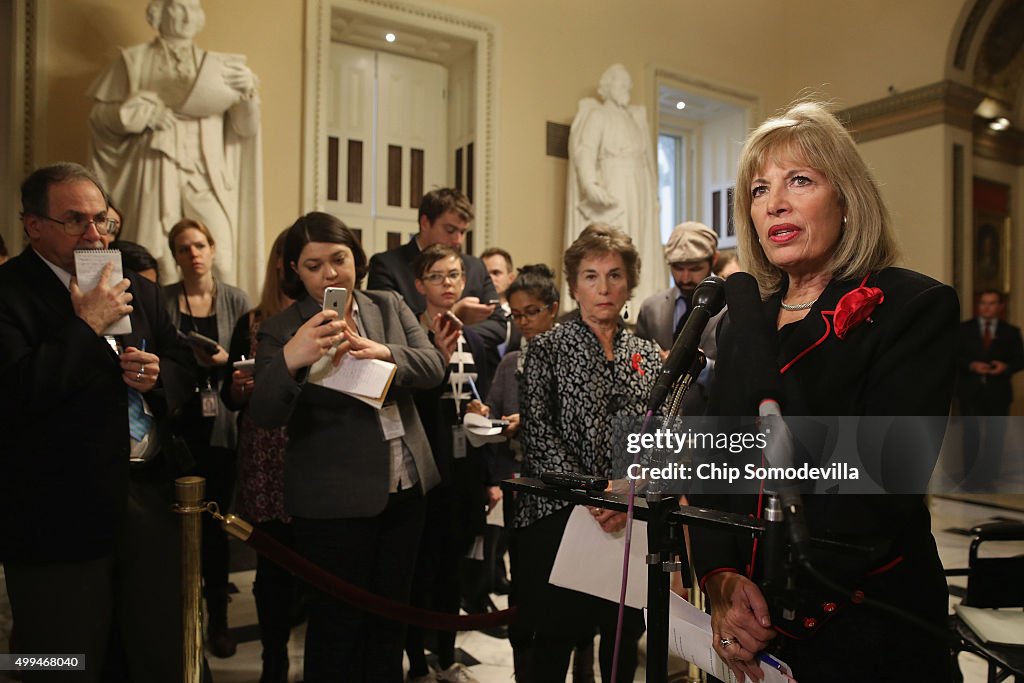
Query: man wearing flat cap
[690, 254]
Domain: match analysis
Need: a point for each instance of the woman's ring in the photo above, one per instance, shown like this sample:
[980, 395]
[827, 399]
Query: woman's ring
[725, 642]
[142, 371]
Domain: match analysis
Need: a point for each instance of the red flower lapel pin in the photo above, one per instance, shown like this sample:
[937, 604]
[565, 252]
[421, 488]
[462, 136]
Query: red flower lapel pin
[637, 358]
[855, 307]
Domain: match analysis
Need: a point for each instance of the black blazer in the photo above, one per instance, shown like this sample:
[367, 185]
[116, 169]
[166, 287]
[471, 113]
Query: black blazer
[901, 363]
[1006, 346]
[392, 270]
[64, 413]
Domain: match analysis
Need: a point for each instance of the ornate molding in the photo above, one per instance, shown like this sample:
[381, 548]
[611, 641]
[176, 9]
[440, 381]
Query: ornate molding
[963, 46]
[1006, 146]
[31, 38]
[945, 102]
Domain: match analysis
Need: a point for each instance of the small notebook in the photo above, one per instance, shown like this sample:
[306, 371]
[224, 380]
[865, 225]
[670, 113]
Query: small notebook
[366, 379]
[88, 265]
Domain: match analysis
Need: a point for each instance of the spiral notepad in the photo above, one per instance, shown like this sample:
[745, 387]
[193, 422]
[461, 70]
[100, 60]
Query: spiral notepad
[88, 265]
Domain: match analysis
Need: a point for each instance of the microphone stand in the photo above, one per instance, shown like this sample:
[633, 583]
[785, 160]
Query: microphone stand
[664, 517]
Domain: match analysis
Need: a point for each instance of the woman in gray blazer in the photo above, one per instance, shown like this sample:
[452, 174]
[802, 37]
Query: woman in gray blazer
[354, 476]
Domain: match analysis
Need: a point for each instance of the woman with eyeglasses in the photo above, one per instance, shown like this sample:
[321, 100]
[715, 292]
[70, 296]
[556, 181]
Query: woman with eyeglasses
[576, 378]
[455, 509]
[201, 304]
[533, 300]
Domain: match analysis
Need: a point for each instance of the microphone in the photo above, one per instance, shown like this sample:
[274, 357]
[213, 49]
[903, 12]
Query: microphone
[755, 335]
[708, 299]
[784, 501]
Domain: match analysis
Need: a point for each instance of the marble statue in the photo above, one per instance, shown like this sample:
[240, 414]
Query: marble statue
[175, 132]
[612, 177]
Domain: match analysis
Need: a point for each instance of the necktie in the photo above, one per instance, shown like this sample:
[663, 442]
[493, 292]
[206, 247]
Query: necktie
[138, 421]
[680, 324]
[986, 338]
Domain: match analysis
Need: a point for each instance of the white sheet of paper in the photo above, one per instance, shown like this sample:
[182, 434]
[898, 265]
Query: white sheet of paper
[590, 561]
[88, 264]
[689, 636]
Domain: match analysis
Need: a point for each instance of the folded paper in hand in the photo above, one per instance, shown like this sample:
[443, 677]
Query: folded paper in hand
[88, 266]
[590, 560]
[480, 430]
[367, 379]
[689, 636]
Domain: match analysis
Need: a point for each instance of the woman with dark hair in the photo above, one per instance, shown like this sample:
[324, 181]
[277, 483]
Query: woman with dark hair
[355, 477]
[577, 377]
[261, 475]
[136, 257]
[200, 303]
[844, 333]
[533, 299]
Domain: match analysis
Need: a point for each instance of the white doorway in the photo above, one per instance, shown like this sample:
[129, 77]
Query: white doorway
[386, 141]
[372, 75]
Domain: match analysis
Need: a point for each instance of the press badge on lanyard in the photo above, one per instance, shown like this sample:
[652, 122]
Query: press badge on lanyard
[458, 442]
[391, 421]
[208, 398]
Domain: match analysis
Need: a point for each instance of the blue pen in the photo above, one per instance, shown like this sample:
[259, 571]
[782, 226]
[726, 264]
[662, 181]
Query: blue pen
[771, 661]
[472, 386]
[142, 347]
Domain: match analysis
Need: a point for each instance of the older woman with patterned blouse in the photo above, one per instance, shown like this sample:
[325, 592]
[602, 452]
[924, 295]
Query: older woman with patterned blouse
[575, 379]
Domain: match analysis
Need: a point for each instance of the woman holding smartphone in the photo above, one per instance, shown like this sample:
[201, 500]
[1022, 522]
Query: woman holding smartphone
[200, 304]
[355, 477]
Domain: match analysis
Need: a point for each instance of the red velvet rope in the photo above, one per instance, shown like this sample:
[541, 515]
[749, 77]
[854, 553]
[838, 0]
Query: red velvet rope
[357, 597]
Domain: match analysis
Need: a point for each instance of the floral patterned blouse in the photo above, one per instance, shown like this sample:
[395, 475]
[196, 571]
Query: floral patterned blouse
[260, 450]
[569, 393]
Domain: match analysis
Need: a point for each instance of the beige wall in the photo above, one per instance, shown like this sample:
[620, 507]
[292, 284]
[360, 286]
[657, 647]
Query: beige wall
[853, 51]
[269, 32]
[919, 201]
[550, 54]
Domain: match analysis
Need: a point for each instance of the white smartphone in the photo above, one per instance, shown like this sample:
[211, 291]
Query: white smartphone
[335, 298]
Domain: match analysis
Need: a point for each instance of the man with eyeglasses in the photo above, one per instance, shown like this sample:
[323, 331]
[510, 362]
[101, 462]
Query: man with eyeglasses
[86, 533]
[444, 218]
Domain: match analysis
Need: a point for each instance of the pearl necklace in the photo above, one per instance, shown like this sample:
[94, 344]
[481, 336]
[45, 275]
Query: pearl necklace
[798, 307]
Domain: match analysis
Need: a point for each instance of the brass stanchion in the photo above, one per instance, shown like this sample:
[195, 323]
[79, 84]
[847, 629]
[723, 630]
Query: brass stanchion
[189, 492]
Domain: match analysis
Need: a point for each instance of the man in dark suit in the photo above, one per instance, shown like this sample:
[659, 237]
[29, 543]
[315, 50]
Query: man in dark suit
[990, 351]
[86, 531]
[690, 254]
[444, 217]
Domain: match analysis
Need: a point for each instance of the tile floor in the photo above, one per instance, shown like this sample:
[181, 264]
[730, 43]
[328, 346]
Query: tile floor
[495, 656]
